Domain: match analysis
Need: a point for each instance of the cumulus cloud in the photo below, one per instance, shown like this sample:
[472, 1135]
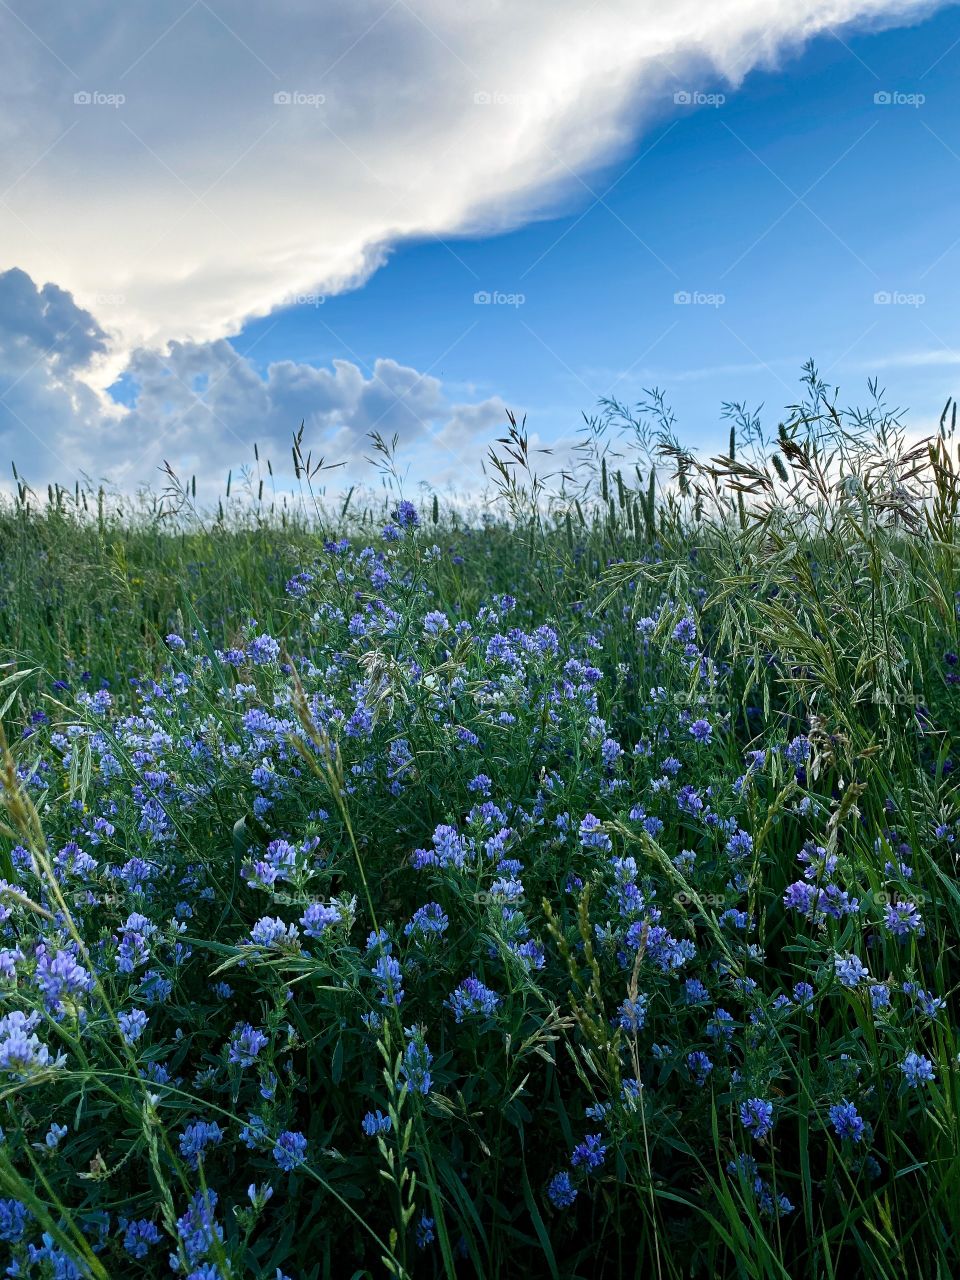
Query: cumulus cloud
[201, 404]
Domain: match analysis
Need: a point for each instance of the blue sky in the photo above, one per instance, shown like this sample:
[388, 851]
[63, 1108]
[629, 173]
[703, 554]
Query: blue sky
[710, 200]
[786, 206]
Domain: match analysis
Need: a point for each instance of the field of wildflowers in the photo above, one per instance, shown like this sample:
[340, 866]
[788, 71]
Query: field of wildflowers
[569, 891]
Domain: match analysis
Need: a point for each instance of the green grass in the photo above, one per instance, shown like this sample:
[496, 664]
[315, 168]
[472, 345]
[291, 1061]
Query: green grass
[818, 569]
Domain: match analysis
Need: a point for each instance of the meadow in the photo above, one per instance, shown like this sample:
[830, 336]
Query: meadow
[561, 886]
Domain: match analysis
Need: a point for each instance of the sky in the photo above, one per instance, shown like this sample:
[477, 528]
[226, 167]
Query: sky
[219, 220]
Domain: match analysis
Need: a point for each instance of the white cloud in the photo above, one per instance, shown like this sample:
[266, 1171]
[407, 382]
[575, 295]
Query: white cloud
[202, 404]
[199, 202]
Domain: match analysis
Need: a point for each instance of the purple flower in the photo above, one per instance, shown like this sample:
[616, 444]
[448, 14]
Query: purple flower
[561, 1191]
[849, 970]
[756, 1116]
[245, 1044]
[415, 1067]
[13, 1220]
[590, 1153]
[139, 1236]
[632, 1013]
[375, 1122]
[917, 1070]
[133, 1025]
[317, 919]
[406, 515]
[903, 918]
[699, 1066]
[263, 650]
[428, 919]
[472, 997]
[290, 1150]
[592, 834]
[196, 1138]
[847, 1121]
[425, 1231]
[701, 731]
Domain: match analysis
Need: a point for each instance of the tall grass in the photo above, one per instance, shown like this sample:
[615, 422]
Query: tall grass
[774, 628]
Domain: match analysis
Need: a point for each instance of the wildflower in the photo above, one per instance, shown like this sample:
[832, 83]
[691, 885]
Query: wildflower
[701, 731]
[685, 632]
[472, 997]
[245, 1044]
[54, 1134]
[133, 1025]
[415, 1067]
[263, 650]
[699, 1066]
[139, 1236]
[270, 932]
[428, 919]
[695, 992]
[903, 918]
[632, 1014]
[592, 834]
[259, 1195]
[13, 1220]
[740, 845]
[198, 1227]
[195, 1139]
[317, 918]
[929, 1004]
[797, 751]
[803, 995]
[375, 1122]
[849, 970]
[756, 1116]
[435, 623]
[879, 996]
[406, 515]
[290, 1150]
[847, 1122]
[917, 1070]
[561, 1191]
[590, 1152]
